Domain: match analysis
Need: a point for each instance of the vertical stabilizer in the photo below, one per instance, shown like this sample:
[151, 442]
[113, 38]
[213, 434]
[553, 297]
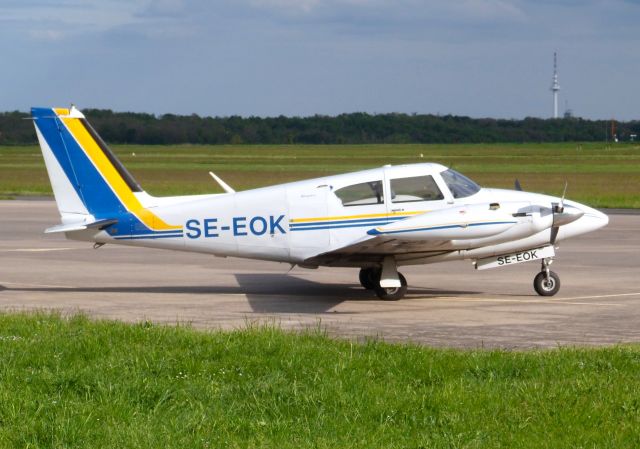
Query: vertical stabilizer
[87, 178]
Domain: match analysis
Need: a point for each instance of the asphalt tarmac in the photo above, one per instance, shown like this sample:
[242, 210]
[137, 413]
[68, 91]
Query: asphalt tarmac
[448, 305]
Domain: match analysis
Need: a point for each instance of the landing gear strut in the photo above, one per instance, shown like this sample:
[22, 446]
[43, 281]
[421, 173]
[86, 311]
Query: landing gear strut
[370, 279]
[546, 283]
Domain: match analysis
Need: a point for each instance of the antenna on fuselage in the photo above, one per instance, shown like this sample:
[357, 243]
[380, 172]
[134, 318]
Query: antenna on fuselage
[223, 184]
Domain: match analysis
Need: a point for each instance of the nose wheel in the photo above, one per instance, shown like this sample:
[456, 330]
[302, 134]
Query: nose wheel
[546, 283]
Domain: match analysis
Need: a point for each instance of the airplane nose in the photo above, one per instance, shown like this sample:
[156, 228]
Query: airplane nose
[592, 219]
[602, 217]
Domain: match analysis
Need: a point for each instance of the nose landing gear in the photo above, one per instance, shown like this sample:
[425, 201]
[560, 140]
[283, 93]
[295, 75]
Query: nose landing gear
[546, 283]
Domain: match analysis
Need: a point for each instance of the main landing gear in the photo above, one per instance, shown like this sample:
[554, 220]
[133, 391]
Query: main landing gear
[385, 281]
[546, 283]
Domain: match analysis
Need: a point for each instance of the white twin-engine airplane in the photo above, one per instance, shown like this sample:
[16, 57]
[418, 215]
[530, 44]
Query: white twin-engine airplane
[376, 219]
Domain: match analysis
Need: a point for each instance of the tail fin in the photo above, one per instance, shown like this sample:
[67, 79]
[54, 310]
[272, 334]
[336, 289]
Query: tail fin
[85, 175]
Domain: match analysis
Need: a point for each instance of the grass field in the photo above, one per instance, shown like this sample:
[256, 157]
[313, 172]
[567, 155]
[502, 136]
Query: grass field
[76, 383]
[599, 175]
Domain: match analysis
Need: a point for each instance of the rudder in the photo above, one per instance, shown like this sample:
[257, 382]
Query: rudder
[85, 175]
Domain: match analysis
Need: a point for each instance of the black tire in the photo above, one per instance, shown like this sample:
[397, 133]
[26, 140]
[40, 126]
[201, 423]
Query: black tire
[393, 294]
[369, 278]
[544, 287]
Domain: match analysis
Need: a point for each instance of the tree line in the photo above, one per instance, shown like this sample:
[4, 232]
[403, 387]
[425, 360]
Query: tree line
[353, 128]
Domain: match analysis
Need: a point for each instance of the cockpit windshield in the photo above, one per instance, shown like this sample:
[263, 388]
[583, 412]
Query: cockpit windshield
[459, 185]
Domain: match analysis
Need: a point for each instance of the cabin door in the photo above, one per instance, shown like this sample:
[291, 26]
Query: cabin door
[308, 234]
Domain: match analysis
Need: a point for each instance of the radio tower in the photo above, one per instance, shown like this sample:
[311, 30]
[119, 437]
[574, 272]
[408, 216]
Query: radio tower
[555, 86]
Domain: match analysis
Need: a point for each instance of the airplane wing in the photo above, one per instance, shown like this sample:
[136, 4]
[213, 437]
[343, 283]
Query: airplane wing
[420, 236]
[373, 250]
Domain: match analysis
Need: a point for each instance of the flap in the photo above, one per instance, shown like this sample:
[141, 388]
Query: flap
[373, 249]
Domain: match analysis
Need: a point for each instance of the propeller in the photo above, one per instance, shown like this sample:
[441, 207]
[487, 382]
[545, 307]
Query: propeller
[558, 216]
[518, 186]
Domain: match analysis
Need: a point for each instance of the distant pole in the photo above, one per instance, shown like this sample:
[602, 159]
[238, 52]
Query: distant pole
[555, 86]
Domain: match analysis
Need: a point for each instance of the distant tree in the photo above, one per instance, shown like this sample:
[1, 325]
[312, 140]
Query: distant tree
[354, 128]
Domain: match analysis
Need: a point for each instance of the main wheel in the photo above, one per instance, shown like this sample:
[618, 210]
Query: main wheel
[369, 278]
[392, 294]
[544, 286]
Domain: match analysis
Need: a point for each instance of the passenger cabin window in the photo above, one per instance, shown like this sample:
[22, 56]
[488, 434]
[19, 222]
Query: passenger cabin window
[362, 194]
[417, 188]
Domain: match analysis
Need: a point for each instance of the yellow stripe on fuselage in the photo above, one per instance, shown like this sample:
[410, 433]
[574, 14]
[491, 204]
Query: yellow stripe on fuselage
[353, 217]
[111, 175]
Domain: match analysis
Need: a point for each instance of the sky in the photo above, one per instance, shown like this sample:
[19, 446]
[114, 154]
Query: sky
[479, 58]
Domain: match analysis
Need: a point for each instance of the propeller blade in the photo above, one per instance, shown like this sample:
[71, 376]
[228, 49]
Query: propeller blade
[564, 192]
[518, 186]
[560, 218]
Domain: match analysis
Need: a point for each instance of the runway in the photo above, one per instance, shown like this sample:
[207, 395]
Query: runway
[448, 305]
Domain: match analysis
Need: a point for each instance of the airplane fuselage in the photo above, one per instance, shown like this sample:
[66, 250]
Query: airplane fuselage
[296, 221]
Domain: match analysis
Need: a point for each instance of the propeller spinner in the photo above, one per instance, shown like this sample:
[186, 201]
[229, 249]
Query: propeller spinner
[560, 217]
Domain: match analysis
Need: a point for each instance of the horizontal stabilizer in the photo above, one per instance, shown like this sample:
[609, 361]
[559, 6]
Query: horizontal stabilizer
[98, 224]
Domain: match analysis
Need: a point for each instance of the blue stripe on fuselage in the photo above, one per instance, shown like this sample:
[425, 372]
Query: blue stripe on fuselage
[151, 236]
[365, 221]
[320, 226]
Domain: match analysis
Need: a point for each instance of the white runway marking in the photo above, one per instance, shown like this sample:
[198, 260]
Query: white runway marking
[603, 296]
[562, 301]
[34, 250]
[22, 284]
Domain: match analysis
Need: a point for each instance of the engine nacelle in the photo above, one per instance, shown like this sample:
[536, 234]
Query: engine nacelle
[457, 223]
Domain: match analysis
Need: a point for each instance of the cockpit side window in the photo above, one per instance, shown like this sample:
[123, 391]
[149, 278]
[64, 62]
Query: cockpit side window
[459, 185]
[417, 188]
[362, 194]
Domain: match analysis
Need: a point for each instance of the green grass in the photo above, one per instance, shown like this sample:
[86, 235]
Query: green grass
[599, 175]
[76, 383]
